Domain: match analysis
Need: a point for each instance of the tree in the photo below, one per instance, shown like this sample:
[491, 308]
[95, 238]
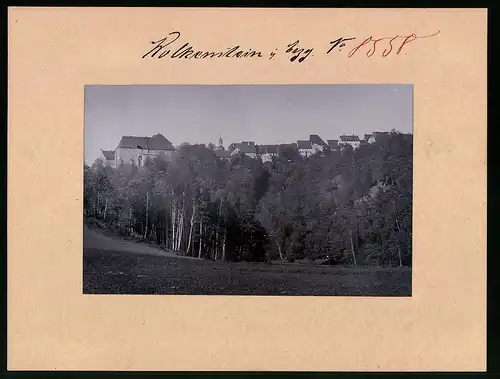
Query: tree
[352, 206]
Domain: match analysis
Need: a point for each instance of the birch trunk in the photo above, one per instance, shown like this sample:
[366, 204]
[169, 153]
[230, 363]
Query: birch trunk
[216, 247]
[180, 228]
[105, 210]
[130, 228]
[151, 231]
[217, 231]
[177, 228]
[279, 251]
[182, 223]
[166, 228]
[201, 237]
[352, 248]
[174, 217]
[224, 246]
[213, 251]
[147, 215]
[188, 250]
[399, 249]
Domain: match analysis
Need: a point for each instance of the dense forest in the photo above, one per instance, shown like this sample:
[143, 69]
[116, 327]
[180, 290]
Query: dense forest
[353, 207]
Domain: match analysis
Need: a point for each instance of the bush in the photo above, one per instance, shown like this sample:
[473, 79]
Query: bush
[373, 253]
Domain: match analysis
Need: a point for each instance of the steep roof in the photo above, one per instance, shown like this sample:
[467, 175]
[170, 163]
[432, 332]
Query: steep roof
[292, 146]
[109, 155]
[333, 143]
[314, 138]
[268, 149]
[244, 147]
[156, 142]
[352, 138]
[304, 145]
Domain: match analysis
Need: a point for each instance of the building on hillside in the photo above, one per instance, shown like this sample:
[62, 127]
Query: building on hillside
[314, 145]
[109, 157]
[221, 152]
[333, 144]
[317, 143]
[246, 147]
[351, 140]
[221, 144]
[370, 138]
[287, 150]
[379, 134]
[305, 148]
[135, 150]
[267, 152]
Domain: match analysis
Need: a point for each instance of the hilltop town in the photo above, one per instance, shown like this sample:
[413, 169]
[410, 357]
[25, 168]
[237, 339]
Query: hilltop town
[134, 150]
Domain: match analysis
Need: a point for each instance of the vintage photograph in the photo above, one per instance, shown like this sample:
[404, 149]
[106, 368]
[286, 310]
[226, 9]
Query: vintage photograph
[264, 190]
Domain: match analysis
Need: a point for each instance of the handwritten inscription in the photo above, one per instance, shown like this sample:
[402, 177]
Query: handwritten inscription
[171, 47]
[296, 51]
[371, 44]
[164, 48]
[340, 43]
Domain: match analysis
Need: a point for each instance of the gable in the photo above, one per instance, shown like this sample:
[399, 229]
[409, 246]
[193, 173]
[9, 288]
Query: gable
[333, 143]
[244, 147]
[109, 155]
[315, 139]
[304, 145]
[157, 142]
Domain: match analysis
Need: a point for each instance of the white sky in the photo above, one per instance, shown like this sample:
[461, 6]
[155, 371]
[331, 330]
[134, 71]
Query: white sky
[266, 114]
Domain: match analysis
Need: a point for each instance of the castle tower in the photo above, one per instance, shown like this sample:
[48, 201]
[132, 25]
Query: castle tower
[221, 146]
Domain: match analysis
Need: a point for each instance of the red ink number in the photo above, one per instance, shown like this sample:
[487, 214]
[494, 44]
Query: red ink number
[354, 51]
[387, 51]
[410, 38]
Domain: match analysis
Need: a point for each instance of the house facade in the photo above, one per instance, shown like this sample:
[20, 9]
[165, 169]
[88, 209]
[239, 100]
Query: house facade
[351, 140]
[317, 144]
[221, 152]
[333, 144]
[267, 152]
[305, 148]
[108, 157]
[246, 147]
[135, 150]
[370, 138]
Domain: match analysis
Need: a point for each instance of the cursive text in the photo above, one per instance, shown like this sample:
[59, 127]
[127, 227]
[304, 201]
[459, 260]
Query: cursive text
[164, 47]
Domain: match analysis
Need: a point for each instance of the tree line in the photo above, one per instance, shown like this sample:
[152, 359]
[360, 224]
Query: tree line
[350, 206]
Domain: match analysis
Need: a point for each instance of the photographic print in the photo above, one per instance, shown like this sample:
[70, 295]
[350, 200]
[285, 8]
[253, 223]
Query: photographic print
[264, 190]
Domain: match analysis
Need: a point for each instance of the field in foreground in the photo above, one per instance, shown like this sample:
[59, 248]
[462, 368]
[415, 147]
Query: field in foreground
[113, 266]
